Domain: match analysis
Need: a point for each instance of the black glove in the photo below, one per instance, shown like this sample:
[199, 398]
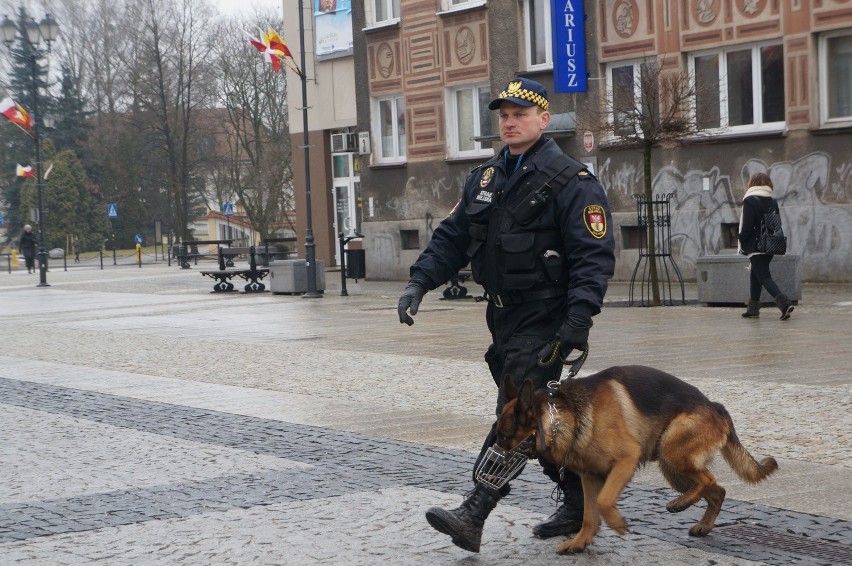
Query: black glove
[572, 335]
[410, 300]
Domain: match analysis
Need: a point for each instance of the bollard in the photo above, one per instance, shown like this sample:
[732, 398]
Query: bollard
[14, 258]
[102, 259]
[139, 255]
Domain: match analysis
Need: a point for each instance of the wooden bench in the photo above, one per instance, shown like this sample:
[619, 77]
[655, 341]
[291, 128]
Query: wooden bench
[266, 254]
[253, 275]
[190, 250]
[455, 290]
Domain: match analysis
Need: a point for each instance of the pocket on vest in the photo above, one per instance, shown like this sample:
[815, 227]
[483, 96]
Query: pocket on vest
[516, 252]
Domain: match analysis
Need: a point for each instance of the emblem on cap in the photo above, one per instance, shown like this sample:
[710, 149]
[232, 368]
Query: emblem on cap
[514, 86]
[594, 216]
[486, 177]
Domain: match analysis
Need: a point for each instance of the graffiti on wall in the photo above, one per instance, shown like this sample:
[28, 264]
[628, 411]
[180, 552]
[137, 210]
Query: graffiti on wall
[816, 205]
[424, 196]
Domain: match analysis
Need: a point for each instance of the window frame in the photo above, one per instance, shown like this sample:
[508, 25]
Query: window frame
[376, 126]
[480, 149]
[389, 5]
[824, 78]
[548, 38]
[453, 5]
[610, 91]
[757, 125]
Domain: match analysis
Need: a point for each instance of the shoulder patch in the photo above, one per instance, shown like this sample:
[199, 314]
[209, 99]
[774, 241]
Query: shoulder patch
[594, 216]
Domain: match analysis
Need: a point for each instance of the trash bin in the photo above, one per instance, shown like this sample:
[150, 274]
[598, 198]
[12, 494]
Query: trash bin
[356, 264]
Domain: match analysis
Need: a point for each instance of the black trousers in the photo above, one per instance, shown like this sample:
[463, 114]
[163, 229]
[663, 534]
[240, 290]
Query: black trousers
[760, 277]
[518, 333]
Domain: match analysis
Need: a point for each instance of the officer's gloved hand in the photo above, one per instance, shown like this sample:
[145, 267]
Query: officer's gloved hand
[410, 299]
[572, 335]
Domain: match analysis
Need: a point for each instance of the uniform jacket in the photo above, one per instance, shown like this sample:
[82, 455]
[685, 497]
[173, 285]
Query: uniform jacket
[756, 203]
[517, 244]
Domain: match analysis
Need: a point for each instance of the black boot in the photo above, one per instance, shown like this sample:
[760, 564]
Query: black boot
[464, 524]
[752, 309]
[784, 305]
[568, 517]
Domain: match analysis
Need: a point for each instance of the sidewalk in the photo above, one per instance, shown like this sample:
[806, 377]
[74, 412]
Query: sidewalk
[146, 420]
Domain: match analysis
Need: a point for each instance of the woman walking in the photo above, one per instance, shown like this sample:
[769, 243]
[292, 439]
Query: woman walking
[27, 245]
[757, 202]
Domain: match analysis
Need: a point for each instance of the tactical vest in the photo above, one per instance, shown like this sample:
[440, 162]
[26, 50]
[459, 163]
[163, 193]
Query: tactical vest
[516, 244]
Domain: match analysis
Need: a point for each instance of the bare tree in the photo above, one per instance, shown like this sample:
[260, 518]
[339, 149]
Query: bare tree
[655, 109]
[167, 51]
[255, 166]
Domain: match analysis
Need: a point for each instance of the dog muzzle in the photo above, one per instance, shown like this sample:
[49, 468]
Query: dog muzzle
[498, 466]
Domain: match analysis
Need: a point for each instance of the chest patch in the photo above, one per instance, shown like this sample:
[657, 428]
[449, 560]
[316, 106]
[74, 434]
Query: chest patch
[594, 216]
[484, 196]
[487, 175]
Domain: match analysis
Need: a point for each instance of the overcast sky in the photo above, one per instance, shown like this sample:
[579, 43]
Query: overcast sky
[234, 7]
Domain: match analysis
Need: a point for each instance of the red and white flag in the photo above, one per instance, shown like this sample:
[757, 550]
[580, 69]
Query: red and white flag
[25, 171]
[15, 113]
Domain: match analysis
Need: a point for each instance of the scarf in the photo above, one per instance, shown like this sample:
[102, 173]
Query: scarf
[756, 191]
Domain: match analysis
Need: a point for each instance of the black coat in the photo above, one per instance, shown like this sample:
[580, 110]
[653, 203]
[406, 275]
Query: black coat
[754, 207]
[28, 244]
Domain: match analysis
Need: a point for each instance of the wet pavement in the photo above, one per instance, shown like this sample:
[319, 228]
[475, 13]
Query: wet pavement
[146, 420]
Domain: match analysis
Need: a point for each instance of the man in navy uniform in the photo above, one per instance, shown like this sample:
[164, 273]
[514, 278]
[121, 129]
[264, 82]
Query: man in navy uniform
[534, 225]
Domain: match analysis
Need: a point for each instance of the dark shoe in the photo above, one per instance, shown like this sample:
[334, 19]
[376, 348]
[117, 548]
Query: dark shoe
[752, 309]
[566, 521]
[784, 305]
[464, 524]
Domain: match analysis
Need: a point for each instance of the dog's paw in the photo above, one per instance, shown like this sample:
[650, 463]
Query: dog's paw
[678, 505]
[572, 546]
[700, 530]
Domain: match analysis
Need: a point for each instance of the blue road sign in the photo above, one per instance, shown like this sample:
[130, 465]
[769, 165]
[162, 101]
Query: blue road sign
[1, 218]
[228, 209]
[138, 238]
[112, 210]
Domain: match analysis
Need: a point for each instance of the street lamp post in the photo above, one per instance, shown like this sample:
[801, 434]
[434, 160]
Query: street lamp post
[48, 30]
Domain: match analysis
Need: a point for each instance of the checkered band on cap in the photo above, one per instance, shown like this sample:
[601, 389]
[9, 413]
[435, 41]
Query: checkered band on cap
[515, 90]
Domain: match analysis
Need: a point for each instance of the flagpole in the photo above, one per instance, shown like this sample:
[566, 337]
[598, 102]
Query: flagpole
[310, 246]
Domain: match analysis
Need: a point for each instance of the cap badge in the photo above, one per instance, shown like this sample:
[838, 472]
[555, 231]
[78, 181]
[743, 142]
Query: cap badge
[514, 86]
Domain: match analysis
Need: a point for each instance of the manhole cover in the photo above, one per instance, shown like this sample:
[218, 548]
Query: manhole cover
[834, 552]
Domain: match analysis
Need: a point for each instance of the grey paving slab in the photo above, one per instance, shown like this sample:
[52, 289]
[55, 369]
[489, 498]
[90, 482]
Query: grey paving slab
[146, 420]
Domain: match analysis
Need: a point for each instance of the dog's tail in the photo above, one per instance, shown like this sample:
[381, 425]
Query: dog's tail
[743, 463]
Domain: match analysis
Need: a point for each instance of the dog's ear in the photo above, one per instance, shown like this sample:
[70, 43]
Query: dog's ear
[526, 396]
[509, 389]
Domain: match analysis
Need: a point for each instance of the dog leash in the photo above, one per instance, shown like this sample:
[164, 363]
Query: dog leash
[575, 364]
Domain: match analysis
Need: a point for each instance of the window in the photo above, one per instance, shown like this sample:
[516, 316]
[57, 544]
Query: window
[624, 89]
[537, 40]
[740, 89]
[468, 117]
[385, 11]
[835, 82]
[389, 125]
[449, 5]
[409, 239]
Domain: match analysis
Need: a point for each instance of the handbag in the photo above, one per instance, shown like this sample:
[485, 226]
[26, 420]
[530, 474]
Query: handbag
[771, 240]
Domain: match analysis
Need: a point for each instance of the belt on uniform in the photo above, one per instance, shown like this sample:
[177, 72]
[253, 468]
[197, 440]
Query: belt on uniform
[508, 298]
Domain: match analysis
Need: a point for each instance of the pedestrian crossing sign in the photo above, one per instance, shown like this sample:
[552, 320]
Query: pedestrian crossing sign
[112, 210]
[228, 209]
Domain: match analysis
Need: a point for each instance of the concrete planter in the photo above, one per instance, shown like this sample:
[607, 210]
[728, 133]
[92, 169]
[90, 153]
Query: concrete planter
[724, 279]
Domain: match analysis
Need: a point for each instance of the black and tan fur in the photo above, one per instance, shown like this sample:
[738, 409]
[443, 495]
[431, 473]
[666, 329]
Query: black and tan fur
[606, 425]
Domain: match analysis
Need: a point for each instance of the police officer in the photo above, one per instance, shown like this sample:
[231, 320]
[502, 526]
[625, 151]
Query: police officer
[534, 225]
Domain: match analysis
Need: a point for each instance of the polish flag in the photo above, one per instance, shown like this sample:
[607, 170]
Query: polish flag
[15, 113]
[25, 171]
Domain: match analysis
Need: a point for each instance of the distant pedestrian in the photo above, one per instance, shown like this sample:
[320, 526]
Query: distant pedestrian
[76, 250]
[757, 202]
[27, 246]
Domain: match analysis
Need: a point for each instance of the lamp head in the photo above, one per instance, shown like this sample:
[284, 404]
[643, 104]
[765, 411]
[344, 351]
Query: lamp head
[9, 29]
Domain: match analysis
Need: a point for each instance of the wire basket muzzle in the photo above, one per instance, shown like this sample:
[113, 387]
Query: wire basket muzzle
[499, 466]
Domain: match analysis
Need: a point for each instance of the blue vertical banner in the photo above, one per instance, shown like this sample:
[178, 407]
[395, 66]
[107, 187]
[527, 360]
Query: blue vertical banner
[569, 45]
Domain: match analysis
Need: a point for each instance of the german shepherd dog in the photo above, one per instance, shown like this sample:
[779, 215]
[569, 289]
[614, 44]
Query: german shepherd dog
[603, 427]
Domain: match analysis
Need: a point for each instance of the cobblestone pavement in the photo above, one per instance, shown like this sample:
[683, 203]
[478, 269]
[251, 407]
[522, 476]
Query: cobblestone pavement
[146, 420]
